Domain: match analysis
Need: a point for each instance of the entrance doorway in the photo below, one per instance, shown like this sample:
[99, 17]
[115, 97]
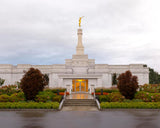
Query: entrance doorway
[79, 85]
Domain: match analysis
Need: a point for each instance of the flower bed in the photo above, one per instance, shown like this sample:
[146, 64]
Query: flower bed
[134, 105]
[110, 97]
[148, 97]
[29, 105]
[98, 93]
[62, 93]
[9, 89]
[152, 88]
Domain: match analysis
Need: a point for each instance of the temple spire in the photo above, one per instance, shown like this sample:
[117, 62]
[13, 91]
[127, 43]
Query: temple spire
[79, 48]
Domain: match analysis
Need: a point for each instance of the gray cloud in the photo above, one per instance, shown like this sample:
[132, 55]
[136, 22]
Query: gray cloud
[115, 31]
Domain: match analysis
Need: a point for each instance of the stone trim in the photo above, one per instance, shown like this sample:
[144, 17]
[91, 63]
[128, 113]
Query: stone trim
[72, 76]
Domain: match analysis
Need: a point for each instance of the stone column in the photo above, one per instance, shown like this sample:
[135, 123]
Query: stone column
[79, 48]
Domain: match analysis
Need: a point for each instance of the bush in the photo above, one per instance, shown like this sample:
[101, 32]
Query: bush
[127, 85]
[47, 93]
[148, 97]
[135, 105]
[116, 97]
[152, 88]
[107, 90]
[57, 98]
[32, 82]
[55, 90]
[145, 96]
[9, 89]
[104, 98]
[29, 105]
[16, 97]
[155, 97]
[133, 100]
[4, 98]
[44, 96]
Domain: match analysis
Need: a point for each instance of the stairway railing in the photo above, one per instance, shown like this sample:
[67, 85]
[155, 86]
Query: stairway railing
[97, 102]
[62, 102]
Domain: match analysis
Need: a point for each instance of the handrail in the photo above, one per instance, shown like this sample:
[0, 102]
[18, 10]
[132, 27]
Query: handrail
[65, 94]
[94, 95]
[61, 104]
[97, 102]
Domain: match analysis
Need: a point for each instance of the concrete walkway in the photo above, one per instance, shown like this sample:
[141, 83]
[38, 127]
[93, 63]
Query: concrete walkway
[79, 96]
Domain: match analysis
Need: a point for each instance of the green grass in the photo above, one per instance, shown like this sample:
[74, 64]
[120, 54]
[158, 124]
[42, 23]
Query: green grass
[133, 105]
[29, 105]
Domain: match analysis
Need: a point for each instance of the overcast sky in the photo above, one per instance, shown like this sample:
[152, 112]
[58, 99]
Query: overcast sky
[43, 32]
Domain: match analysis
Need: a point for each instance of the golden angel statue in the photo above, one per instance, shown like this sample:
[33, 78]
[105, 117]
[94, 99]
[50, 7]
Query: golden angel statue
[80, 18]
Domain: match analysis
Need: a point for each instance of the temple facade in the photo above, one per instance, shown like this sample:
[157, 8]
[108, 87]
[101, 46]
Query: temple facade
[79, 74]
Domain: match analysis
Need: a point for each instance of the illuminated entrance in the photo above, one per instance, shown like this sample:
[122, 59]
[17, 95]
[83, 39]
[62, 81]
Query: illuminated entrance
[79, 85]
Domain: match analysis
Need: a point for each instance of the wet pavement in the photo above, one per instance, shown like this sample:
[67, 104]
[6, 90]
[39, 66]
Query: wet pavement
[80, 108]
[80, 96]
[81, 119]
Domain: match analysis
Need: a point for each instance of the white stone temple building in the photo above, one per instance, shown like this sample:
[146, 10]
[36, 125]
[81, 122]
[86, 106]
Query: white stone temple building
[78, 74]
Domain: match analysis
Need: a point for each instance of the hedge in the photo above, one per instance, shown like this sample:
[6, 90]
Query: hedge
[107, 90]
[29, 105]
[126, 105]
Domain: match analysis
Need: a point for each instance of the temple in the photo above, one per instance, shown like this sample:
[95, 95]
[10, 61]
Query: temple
[79, 74]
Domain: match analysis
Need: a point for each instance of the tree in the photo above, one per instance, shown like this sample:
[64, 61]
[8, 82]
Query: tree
[127, 84]
[114, 79]
[32, 82]
[154, 77]
[46, 78]
[2, 81]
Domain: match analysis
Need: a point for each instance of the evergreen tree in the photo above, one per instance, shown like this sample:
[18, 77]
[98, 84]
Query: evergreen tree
[154, 77]
[114, 79]
[2, 81]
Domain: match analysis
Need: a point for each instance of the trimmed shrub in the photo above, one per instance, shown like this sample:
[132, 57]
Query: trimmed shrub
[9, 89]
[29, 105]
[116, 97]
[104, 98]
[32, 82]
[44, 96]
[107, 90]
[133, 100]
[55, 90]
[135, 105]
[16, 97]
[57, 98]
[127, 85]
[4, 98]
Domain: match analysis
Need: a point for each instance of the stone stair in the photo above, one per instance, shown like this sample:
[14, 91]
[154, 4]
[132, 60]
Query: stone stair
[79, 102]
